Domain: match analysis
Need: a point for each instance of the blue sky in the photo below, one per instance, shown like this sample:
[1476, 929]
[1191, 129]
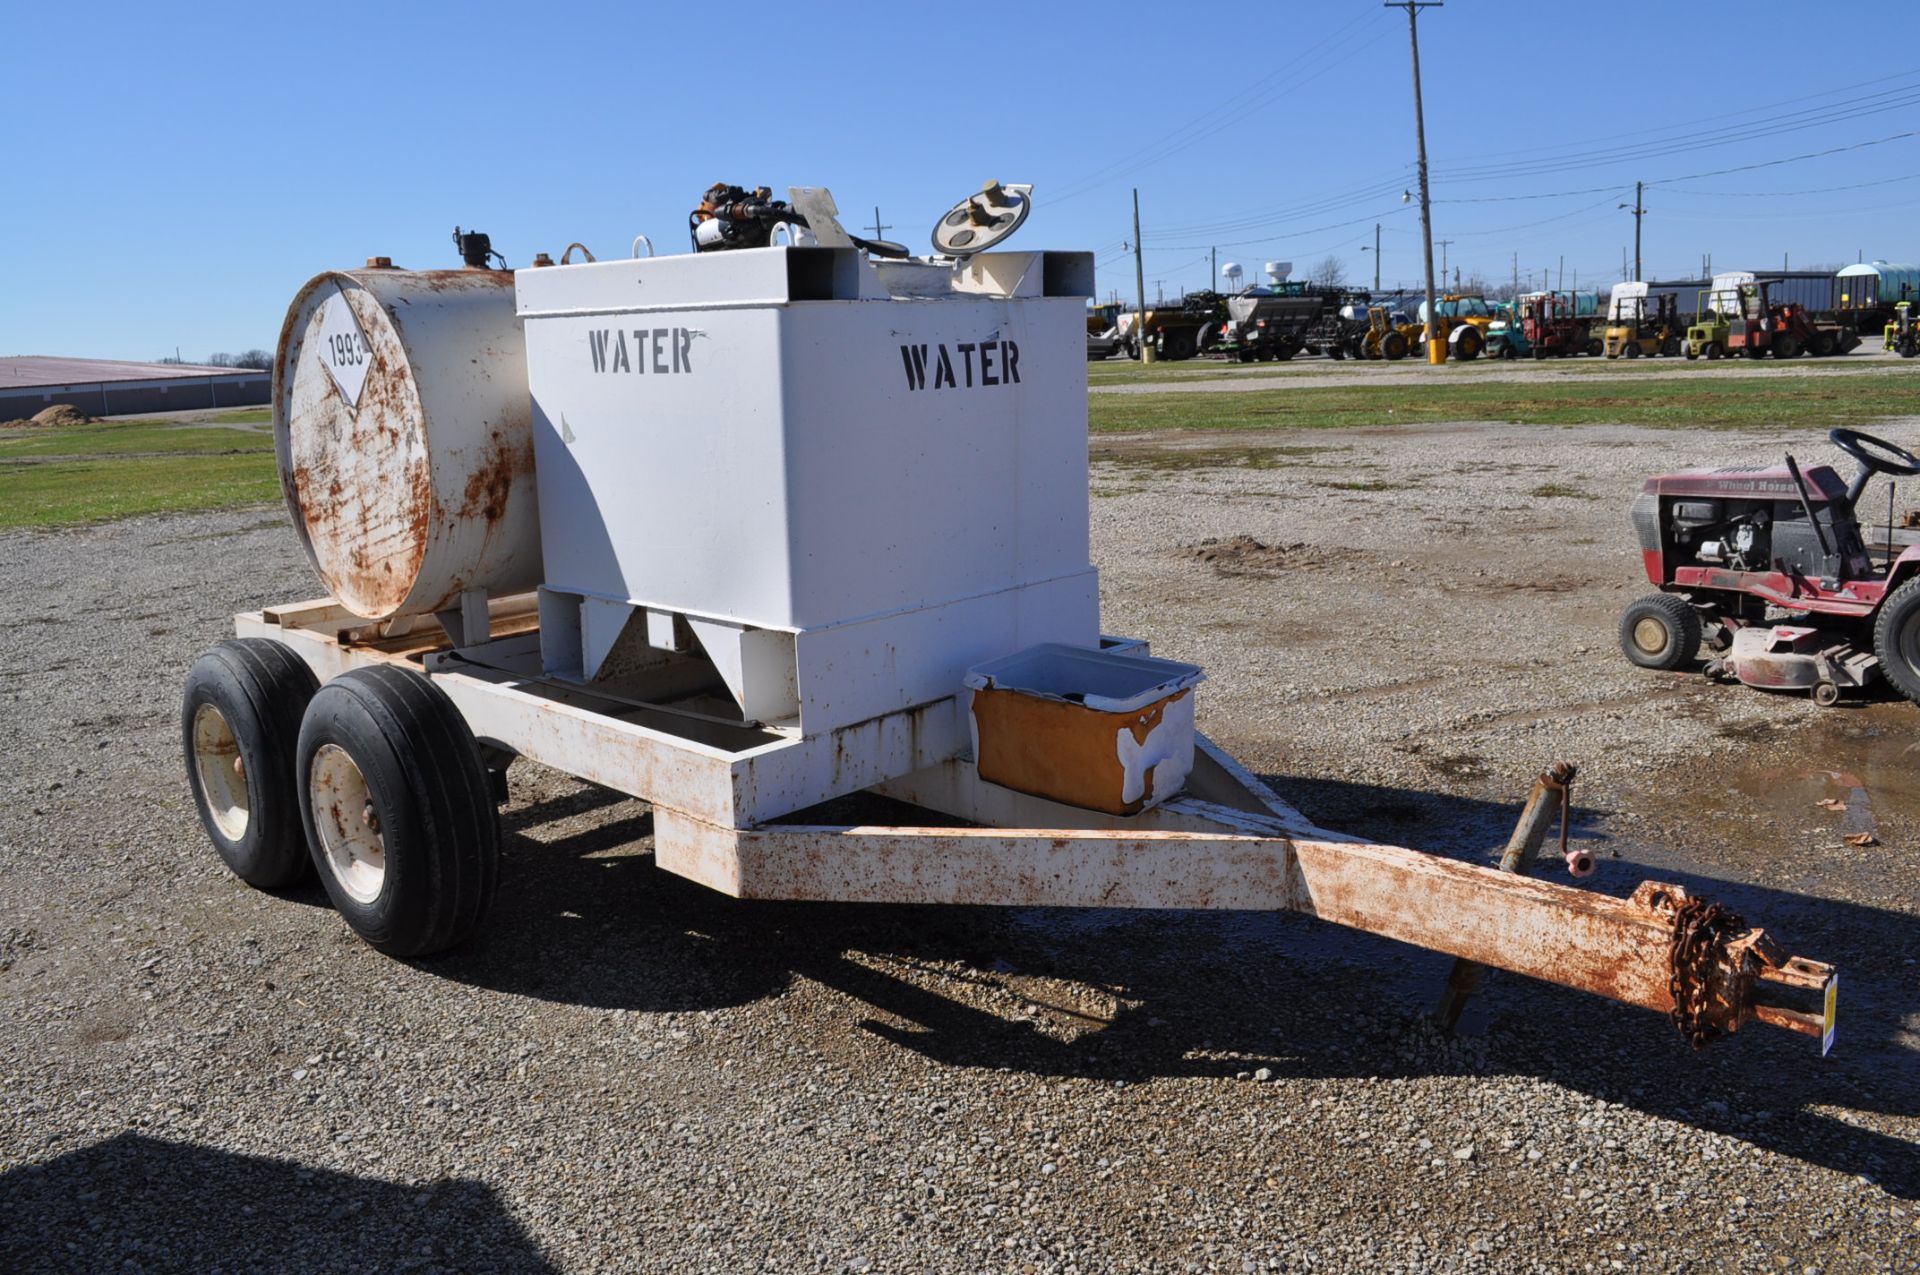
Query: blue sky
[175, 172]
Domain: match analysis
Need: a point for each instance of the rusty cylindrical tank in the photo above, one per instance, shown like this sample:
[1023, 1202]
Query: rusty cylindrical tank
[404, 433]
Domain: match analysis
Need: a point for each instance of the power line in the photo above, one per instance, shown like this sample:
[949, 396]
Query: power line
[1791, 159]
[1618, 155]
[1685, 127]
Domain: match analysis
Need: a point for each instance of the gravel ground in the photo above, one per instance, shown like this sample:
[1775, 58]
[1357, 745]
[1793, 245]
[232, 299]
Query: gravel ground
[626, 1072]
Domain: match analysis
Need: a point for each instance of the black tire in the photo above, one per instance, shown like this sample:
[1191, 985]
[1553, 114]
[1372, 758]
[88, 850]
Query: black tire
[239, 727]
[389, 742]
[1691, 353]
[1712, 351]
[1660, 631]
[1825, 345]
[1468, 346]
[1786, 347]
[1632, 350]
[1896, 639]
[1393, 346]
[1595, 348]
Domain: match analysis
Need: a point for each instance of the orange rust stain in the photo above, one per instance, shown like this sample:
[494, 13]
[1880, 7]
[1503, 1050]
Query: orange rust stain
[491, 484]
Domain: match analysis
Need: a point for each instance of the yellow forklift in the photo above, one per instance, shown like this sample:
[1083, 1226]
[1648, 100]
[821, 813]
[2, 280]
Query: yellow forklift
[1641, 324]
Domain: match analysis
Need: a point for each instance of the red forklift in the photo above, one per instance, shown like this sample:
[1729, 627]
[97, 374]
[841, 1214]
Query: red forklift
[1551, 326]
[1781, 328]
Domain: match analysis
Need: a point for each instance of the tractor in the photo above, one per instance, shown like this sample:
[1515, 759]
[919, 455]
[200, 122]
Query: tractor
[1336, 333]
[1903, 334]
[1175, 331]
[1767, 566]
[1642, 324]
[1464, 317]
[1380, 339]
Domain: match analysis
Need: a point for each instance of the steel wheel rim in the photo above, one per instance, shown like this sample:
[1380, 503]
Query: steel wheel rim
[1650, 635]
[222, 775]
[351, 844]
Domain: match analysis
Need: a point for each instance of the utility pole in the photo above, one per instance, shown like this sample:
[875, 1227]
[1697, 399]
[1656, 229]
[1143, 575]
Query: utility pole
[1562, 276]
[1213, 255]
[1436, 333]
[879, 231]
[1139, 284]
[1516, 276]
[1444, 245]
[1639, 211]
[1376, 256]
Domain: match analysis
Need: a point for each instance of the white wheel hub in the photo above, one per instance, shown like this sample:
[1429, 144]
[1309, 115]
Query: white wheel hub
[223, 776]
[351, 842]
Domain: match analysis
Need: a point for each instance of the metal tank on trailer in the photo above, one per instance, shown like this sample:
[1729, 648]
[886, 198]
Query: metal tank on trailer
[402, 427]
[782, 525]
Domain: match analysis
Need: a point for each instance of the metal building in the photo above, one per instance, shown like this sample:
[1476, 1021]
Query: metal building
[30, 383]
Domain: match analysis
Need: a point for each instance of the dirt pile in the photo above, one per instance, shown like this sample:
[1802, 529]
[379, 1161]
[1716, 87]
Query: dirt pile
[1245, 556]
[58, 414]
[61, 414]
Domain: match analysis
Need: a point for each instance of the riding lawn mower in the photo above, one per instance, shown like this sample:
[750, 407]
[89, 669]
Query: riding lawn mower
[1767, 567]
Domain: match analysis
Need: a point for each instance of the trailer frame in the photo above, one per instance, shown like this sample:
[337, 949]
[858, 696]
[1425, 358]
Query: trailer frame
[731, 804]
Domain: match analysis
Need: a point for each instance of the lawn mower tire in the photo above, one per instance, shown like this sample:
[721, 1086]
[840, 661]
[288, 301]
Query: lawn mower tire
[1662, 631]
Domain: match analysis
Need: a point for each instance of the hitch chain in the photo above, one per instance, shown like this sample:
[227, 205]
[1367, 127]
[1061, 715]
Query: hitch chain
[1700, 927]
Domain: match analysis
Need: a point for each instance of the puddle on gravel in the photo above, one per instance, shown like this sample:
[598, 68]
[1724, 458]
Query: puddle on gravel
[1788, 800]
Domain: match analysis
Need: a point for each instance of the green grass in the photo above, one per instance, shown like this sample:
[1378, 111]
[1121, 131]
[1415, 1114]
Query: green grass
[116, 438]
[114, 469]
[62, 492]
[1806, 402]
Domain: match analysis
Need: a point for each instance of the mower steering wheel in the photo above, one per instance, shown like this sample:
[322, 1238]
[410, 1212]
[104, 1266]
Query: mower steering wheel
[1903, 463]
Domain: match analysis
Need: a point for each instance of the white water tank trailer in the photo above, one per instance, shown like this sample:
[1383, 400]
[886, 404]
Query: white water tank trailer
[790, 517]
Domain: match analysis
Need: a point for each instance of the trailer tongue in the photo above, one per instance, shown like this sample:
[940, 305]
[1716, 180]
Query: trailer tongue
[804, 515]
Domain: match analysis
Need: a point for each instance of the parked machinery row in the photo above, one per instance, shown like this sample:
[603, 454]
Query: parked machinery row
[1783, 315]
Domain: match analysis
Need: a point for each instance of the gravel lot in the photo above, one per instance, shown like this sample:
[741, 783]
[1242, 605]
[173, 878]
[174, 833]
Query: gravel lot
[626, 1072]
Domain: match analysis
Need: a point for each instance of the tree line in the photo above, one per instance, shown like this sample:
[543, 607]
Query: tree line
[258, 360]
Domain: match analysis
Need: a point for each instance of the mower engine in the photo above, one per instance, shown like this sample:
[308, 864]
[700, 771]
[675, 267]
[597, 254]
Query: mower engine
[1768, 567]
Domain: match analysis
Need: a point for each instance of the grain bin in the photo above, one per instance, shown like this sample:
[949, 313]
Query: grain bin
[402, 425]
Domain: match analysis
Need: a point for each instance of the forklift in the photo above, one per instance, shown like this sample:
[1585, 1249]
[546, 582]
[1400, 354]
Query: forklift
[1762, 325]
[1903, 334]
[1550, 325]
[1633, 331]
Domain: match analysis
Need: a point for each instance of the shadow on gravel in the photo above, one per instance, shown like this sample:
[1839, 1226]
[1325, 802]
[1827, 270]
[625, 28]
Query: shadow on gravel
[588, 920]
[139, 1203]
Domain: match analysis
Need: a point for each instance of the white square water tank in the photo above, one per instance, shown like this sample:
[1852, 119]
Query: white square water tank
[857, 478]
